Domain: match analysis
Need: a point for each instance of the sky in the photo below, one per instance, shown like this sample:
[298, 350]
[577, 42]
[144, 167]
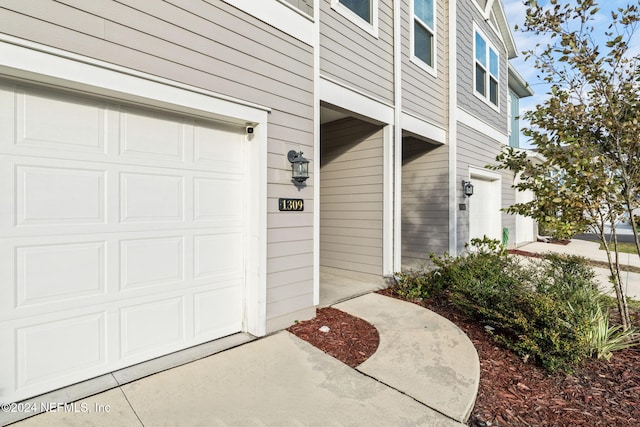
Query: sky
[515, 11]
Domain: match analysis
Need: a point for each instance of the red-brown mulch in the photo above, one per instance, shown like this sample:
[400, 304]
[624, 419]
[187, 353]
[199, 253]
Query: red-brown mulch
[349, 338]
[515, 393]
[511, 392]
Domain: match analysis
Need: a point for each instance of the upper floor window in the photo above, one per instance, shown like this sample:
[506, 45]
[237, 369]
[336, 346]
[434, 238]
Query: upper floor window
[424, 31]
[363, 13]
[362, 8]
[487, 65]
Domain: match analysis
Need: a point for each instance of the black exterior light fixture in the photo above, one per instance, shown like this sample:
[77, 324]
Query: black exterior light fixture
[299, 166]
[467, 188]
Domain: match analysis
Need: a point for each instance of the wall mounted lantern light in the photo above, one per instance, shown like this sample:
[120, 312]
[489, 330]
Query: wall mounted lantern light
[467, 188]
[299, 166]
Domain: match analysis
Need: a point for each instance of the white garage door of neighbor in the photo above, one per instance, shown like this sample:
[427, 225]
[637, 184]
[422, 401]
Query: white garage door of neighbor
[484, 209]
[121, 236]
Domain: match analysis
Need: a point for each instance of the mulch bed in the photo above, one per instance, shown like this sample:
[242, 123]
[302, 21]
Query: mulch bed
[348, 338]
[511, 391]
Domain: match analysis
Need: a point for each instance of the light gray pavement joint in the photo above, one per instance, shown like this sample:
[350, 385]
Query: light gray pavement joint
[421, 354]
[282, 380]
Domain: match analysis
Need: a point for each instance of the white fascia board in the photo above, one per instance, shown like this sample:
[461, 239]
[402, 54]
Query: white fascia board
[283, 17]
[482, 127]
[353, 100]
[28, 61]
[421, 128]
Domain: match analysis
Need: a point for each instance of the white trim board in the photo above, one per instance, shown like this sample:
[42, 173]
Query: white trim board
[26, 61]
[350, 99]
[421, 128]
[478, 125]
[285, 18]
[369, 27]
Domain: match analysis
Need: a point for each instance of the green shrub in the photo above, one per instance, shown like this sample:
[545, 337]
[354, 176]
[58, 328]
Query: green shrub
[538, 325]
[549, 311]
[605, 339]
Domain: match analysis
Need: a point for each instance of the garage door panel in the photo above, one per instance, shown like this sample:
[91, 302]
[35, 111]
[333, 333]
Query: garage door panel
[54, 349]
[217, 313]
[54, 273]
[152, 262]
[152, 197]
[51, 195]
[216, 198]
[152, 137]
[54, 121]
[217, 147]
[149, 327]
[218, 255]
[118, 242]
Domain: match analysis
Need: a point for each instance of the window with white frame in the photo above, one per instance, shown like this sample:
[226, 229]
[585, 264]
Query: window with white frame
[363, 13]
[486, 72]
[424, 31]
[362, 8]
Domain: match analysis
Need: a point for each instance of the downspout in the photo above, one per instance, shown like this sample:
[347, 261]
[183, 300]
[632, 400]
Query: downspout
[397, 136]
[316, 153]
[453, 130]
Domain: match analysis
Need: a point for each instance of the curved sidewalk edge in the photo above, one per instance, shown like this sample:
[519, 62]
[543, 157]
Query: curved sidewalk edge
[421, 354]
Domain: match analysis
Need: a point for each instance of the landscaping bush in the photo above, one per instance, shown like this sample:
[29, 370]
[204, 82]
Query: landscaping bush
[544, 310]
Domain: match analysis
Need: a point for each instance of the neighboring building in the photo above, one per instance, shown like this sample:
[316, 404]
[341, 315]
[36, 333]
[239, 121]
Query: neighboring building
[140, 215]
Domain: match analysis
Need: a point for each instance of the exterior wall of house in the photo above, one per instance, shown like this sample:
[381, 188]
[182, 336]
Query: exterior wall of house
[351, 179]
[478, 150]
[425, 201]
[305, 6]
[468, 15]
[355, 58]
[514, 120]
[423, 94]
[221, 49]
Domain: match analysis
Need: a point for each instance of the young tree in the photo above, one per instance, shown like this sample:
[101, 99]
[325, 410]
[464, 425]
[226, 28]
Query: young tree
[587, 129]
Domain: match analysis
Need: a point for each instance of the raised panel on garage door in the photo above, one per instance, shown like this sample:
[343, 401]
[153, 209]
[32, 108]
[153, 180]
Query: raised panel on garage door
[122, 236]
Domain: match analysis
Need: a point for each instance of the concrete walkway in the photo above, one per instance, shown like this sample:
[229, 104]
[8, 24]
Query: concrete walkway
[590, 250]
[424, 373]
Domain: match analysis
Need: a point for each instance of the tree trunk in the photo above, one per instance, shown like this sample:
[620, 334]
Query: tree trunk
[616, 278]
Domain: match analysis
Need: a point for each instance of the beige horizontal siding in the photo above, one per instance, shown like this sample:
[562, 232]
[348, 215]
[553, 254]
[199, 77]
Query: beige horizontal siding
[423, 94]
[351, 196]
[477, 150]
[467, 15]
[425, 201]
[354, 57]
[216, 47]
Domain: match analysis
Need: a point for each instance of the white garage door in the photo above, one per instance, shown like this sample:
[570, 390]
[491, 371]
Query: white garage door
[484, 209]
[121, 236]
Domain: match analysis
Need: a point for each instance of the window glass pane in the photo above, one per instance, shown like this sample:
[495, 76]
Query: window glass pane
[480, 80]
[423, 44]
[481, 50]
[423, 9]
[362, 8]
[493, 91]
[493, 62]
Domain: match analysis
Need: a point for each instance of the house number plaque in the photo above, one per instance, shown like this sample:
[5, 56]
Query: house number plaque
[290, 204]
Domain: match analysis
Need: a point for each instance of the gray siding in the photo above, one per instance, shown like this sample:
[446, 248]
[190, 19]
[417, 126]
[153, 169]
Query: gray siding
[305, 6]
[425, 95]
[467, 100]
[425, 201]
[211, 45]
[351, 196]
[354, 57]
[477, 150]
